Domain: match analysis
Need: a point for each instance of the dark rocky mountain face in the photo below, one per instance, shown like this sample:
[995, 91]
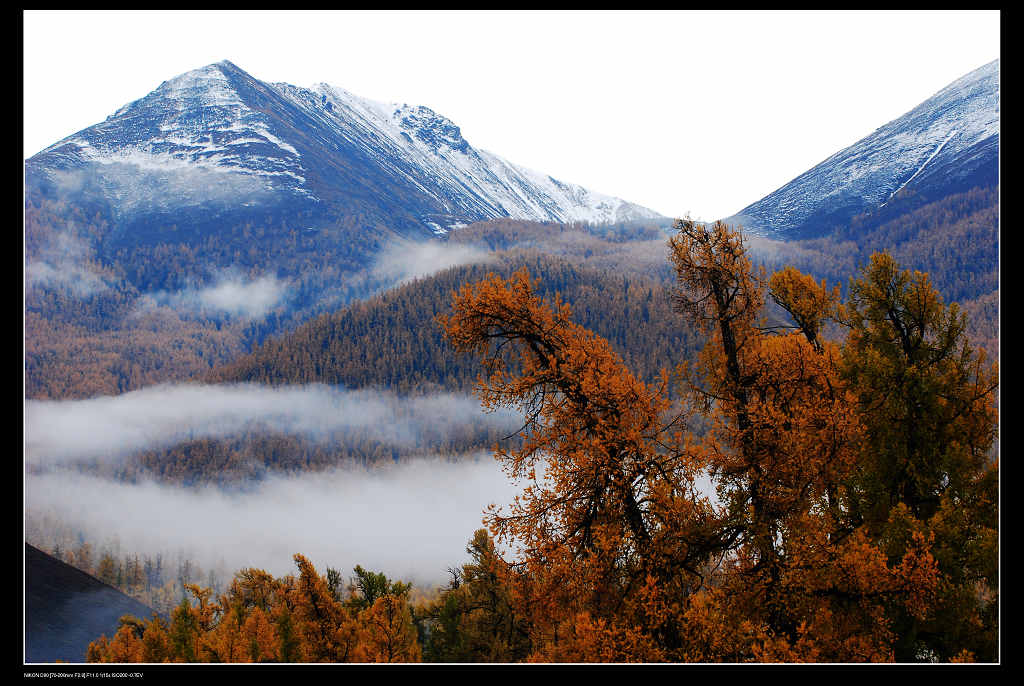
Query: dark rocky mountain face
[66, 609]
[947, 144]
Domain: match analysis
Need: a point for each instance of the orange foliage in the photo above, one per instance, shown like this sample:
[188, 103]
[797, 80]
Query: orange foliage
[620, 558]
[263, 619]
[837, 532]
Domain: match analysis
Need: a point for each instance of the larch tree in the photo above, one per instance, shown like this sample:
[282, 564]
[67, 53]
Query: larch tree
[926, 466]
[783, 438]
[620, 556]
[611, 506]
[474, 619]
[260, 618]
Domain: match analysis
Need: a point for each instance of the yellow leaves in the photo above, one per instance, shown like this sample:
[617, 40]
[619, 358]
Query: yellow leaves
[861, 568]
[790, 442]
[918, 574]
[964, 656]
[585, 638]
[98, 650]
[263, 619]
[387, 633]
[207, 611]
[714, 275]
[135, 641]
[618, 505]
[596, 426]
[711, 632]
[779, 649]
[125, 647]
[155, 642]
[808, 302]
[259, 637]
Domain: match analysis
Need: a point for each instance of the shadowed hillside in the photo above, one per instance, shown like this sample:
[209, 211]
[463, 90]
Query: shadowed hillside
[66, 609]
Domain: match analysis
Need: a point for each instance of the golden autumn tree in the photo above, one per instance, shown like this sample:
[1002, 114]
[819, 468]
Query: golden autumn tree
[784, 436]
[387, 633]
[326, 631]
[294, 619]
[610, 504]
[620, 556]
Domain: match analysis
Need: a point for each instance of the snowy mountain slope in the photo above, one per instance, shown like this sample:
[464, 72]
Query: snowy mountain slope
[217, 136]
[946, 144]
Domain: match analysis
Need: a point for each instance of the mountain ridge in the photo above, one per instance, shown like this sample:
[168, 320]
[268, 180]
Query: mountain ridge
[948, 143]
[217, 129]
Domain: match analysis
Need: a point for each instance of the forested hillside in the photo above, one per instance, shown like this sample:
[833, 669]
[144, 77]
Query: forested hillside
[390, 341]
[105, 314]
[393, 340]
[855, 514]
[103, 320]
[393, 346]
[615, 278]
[270, 329]
[954, 240]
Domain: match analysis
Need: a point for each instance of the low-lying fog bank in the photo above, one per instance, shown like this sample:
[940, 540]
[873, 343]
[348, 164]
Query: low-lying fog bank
[111, 427]
[411, 521]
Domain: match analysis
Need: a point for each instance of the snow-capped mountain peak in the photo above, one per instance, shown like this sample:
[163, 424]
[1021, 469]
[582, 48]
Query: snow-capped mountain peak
[402, 163]
[951, 140]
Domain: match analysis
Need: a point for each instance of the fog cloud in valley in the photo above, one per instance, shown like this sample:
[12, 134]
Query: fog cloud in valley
[411, 521]
[65, 262]
[403, 261]
[230, 294]
[111, 427]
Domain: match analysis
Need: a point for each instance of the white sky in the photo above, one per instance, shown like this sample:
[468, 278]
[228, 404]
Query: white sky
[683, 112]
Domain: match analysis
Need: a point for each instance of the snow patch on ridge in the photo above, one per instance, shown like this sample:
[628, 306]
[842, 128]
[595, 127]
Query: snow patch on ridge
[206, 119]
[463, 178]
[930, 158]
[869, 173]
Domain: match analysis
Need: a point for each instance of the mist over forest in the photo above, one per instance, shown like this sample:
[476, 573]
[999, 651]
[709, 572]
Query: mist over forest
[108, 428]
[416, 403]
[411, 521]
[409, 517]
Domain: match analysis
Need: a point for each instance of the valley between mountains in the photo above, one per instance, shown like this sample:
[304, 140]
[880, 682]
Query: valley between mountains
[252, 331]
